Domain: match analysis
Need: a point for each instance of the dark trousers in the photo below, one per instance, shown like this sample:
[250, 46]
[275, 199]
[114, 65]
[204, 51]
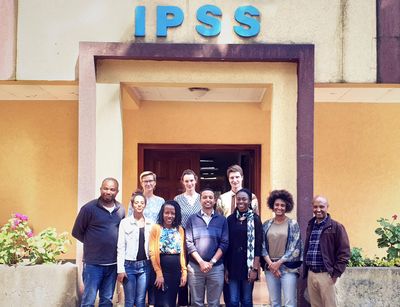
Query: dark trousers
[171, 268]
[151, 287]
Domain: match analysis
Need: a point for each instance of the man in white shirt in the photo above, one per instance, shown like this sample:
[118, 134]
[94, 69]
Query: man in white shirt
[226, 203]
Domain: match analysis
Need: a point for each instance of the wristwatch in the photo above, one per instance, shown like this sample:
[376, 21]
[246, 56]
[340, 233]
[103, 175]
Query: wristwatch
[254, 269]
[213, 261]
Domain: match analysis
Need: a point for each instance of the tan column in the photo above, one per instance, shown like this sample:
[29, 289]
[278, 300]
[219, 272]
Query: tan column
[8, 38]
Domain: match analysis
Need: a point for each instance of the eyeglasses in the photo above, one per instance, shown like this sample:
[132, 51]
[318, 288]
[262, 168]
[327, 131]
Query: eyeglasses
[148, 181]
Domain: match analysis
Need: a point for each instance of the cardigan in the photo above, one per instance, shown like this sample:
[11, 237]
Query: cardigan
[154, 250]
[293, 256]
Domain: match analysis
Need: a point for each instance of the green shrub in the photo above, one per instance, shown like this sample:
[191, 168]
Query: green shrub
[389, 236]
[19, 245]
[357, 259]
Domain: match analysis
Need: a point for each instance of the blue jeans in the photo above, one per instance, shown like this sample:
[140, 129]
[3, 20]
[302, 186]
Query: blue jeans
[286, 283]
[240, 291]
[136, 284]
[100, 278]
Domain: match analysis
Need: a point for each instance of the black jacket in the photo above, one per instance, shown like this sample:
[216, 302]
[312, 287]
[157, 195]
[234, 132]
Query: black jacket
[97, 229]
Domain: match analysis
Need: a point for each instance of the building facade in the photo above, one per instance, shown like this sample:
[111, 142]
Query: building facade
[304, 94]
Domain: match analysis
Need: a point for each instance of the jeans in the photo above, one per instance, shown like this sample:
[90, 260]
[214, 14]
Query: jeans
[286, 283]
[100, 278]
[240, 291]
[135, 285]
[199, 281]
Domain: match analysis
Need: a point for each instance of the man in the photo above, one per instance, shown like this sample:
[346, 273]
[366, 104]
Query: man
[226, 203]
[96, 226]
[207, 241]
[327, 252]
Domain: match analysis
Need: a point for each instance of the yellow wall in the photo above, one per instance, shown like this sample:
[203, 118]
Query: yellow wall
[357, 166]
[194, 123]
[38, 163]
[356, 156]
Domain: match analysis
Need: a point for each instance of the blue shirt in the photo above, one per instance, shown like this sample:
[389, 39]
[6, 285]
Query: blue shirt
[314, 257]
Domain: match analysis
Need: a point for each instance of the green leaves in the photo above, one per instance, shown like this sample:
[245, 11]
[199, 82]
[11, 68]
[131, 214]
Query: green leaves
[18, 244]
[389, 236]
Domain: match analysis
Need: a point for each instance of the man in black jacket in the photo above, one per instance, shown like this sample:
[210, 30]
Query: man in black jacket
[96, 226]
[327, 252]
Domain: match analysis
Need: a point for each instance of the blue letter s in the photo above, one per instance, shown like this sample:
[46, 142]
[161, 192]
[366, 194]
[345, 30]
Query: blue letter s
[241, 16]
[214, 25]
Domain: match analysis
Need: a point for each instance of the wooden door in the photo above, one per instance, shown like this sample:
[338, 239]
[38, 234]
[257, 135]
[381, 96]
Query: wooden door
[169, 165]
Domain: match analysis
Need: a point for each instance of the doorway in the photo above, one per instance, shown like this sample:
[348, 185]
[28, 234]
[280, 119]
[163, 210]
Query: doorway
[209, 162]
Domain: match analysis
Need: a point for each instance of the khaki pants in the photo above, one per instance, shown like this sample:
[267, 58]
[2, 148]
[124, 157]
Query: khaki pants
[321, 289]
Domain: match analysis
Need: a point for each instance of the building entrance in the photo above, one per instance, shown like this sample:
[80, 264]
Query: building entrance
[208, 161]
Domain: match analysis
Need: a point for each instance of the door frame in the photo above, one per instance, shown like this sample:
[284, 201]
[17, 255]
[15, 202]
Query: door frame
[256, 148]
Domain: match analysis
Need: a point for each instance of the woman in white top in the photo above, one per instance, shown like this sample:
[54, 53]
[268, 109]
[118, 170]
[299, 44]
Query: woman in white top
[133, 262]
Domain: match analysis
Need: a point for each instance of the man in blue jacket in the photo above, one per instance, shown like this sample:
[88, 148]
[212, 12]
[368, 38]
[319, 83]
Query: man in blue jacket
[207, 240]
[96, 226]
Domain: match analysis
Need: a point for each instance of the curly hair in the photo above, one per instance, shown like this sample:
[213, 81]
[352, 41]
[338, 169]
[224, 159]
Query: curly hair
[281, 194]
[178, 216]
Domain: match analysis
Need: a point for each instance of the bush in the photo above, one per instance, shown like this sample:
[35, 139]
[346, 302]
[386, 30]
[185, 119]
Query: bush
[357, 259]
[389, 236]
[19, 245]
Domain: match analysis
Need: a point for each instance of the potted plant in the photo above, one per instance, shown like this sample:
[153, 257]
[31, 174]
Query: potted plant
[31, 269]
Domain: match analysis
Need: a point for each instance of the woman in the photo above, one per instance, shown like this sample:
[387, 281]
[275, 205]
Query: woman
[153, 202]
[244, 251]
[153, 206]
[189, 202]
[133, 262]
[282, 250]
[167, 252]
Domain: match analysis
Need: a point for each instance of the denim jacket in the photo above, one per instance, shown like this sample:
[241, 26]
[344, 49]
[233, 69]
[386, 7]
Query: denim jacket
[128, 241]
[294, 249]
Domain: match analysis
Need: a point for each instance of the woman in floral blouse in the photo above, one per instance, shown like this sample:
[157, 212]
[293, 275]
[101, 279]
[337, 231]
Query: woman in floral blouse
[167, 253]
[282, 250]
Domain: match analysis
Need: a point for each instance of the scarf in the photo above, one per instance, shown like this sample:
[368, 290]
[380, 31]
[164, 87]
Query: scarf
[249, 215]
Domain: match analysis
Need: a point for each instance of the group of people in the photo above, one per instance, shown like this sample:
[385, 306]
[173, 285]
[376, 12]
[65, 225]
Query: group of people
[206, 245]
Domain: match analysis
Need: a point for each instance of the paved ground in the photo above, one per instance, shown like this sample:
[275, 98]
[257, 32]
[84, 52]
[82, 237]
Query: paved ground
[260, 295]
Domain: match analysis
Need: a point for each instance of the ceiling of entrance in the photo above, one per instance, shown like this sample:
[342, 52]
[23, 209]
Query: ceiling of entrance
[334, 92]
[198, 93]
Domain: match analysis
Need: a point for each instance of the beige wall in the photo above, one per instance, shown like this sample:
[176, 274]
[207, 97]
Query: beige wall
[343, 32]
[357, 166]
[38, 163]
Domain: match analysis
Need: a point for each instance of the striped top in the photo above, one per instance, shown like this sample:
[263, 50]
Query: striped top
[186, 208]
